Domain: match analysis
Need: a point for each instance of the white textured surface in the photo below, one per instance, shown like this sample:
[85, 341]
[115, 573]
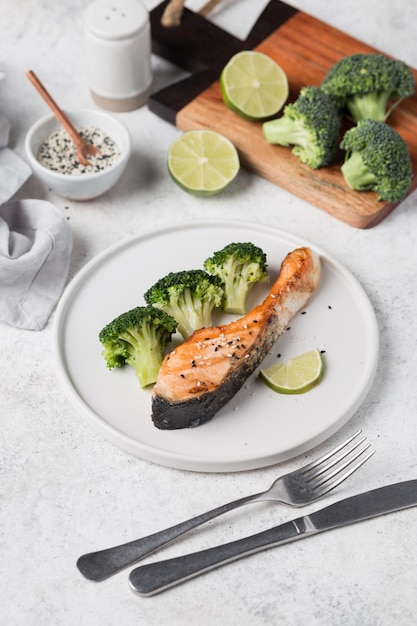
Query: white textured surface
[65, 491]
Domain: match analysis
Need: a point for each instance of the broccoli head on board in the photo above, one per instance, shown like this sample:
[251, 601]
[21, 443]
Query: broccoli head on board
[239, 266]
[368, 86]
[139, 338]
[189, 296]
[377, 158]
[311, 125]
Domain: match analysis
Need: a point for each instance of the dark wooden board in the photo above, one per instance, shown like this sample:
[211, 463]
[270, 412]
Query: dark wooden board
[305, 48]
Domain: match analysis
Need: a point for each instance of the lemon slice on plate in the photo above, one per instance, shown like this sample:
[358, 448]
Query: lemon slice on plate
[297, 375]
[203, 162]
[254, 85]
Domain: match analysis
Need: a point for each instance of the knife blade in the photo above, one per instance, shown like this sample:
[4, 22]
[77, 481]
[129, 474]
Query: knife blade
[148, 580]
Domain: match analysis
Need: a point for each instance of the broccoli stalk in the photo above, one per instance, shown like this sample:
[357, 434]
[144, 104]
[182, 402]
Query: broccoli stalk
[311, 124]
[373, 106]
[189, 297]
[292, 130]
[377, 158]
[139, 338]
[365, 84]
[357, 174]
[239, 266]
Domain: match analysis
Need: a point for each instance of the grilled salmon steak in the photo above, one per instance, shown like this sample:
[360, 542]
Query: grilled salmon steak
[201, 375]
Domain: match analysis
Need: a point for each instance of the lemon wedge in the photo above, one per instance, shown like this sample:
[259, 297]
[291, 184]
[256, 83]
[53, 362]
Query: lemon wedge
[297, 375]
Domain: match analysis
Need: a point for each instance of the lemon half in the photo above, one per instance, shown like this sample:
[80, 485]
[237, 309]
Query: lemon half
[254, 85]
[203, 162]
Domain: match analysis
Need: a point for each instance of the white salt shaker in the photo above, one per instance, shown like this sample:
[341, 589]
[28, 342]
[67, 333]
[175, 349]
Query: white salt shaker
[117, 38]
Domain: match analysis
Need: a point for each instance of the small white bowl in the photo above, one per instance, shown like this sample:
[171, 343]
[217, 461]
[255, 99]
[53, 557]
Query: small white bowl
[85, 186]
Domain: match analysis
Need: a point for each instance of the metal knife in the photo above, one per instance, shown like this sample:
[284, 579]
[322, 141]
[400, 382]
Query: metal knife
[153, 578]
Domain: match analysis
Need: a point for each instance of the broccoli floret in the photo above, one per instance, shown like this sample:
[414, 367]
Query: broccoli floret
[239, 266]
[189, 296]
[377, 158]
[138, 337]
[369, 86]
[311, 124]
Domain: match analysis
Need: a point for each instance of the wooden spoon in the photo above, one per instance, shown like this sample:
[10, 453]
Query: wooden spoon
[84, 148]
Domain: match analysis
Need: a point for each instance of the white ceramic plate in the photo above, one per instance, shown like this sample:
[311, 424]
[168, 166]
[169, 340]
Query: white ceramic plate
[257, 427]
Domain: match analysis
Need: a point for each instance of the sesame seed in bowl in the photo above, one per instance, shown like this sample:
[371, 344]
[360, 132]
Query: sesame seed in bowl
[59, 154]
[53, 156]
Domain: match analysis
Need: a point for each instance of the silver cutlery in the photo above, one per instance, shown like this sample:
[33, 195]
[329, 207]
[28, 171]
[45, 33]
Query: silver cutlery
[153, 578]
[297, 488]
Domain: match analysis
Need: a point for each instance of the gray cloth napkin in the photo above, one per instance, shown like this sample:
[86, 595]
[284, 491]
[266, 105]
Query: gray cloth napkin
[13, 170]
[35, 250]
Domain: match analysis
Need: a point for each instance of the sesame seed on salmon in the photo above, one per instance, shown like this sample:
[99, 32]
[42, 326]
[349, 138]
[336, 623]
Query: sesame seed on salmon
[202, 374]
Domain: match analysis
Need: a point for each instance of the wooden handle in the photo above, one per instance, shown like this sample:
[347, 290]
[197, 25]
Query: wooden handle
[59, 114]
[208, 7]
[173, 12]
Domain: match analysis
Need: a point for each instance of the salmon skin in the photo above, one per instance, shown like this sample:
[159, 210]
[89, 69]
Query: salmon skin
[202, 374]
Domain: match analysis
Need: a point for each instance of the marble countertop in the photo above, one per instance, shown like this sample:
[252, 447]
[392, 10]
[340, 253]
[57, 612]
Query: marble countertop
[65, 490]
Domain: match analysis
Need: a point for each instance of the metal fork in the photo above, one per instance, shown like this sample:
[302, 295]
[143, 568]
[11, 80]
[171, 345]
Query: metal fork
[297, 488]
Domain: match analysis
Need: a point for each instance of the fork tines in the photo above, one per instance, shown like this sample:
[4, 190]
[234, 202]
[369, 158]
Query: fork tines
[334, 467]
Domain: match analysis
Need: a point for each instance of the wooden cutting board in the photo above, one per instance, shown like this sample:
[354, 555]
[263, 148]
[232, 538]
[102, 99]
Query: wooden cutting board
[305, 48]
